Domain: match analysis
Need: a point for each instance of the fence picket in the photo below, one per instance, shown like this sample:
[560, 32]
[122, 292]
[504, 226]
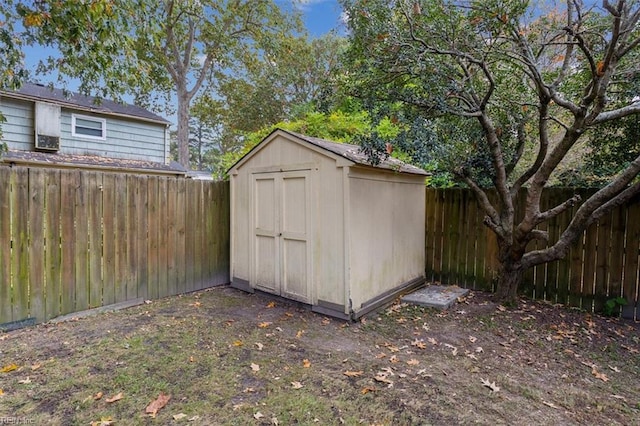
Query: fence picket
[36, 244]
[6, 312]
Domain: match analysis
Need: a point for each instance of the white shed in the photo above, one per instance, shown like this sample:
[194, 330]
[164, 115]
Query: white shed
[314, 221]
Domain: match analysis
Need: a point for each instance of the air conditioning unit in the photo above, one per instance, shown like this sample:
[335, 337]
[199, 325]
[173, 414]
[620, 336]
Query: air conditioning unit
[49, 143]
[47, 126]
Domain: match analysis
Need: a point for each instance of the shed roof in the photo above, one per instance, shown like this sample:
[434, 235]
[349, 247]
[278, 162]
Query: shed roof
[350, 152]
[39, 92]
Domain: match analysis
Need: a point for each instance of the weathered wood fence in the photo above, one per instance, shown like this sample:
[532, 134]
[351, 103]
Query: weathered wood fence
[73, 240]
[602, 265]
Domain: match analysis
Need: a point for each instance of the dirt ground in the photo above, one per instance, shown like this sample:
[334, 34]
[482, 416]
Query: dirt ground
[226, 357]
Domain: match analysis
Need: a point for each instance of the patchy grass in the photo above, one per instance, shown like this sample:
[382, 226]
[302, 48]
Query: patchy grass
[230, 358]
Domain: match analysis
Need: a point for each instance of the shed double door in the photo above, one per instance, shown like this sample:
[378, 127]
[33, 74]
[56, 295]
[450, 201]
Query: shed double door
[281, 257]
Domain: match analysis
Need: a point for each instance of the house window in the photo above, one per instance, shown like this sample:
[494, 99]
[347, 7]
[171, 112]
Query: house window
[88, 127]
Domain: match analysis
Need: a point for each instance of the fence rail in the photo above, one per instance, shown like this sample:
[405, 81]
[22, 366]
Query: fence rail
[601, 265]
[72, 240]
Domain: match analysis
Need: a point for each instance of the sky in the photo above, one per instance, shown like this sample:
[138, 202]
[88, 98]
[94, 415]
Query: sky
[322, 16]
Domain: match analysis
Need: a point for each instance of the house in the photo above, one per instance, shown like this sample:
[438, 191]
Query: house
[314, 221]
[48, 127]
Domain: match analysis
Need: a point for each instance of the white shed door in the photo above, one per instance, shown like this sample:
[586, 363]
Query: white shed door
[281, 251]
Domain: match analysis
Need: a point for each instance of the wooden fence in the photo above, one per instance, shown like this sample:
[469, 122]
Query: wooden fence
[602, 265]
[73, 240]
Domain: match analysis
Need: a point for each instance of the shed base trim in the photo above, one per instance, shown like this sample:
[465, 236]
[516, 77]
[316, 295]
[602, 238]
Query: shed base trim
[241, 284]
[388, 296]
[331, 309]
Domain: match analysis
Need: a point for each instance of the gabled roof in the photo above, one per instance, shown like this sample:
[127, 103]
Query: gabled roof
[38, 92]
[46, 159]
[350, 152]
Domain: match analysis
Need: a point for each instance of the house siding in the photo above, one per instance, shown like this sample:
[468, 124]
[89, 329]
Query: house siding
[17, 130]
[125, 139]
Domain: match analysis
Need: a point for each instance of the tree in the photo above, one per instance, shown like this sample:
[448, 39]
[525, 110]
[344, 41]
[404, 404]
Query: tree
[154, 46]
[516, 76]
[196, 40]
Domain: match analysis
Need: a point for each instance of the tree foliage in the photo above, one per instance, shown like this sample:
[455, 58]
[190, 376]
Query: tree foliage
[151, 47]
[493, 79]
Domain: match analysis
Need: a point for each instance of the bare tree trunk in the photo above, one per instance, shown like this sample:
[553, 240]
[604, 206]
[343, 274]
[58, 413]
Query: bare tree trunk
[183, 129]
[510, 275]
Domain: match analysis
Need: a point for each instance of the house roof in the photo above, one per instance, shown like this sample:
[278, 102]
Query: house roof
[90, 162]
[38, 92]
[350, 152]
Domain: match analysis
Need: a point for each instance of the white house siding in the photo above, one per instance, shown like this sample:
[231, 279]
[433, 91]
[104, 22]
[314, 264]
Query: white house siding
[17, 130]
[126, 138]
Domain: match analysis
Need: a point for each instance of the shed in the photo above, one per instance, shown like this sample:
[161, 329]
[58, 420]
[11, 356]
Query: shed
[314, 221]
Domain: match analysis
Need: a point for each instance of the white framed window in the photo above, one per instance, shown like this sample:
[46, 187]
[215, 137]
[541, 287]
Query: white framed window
[83, 126]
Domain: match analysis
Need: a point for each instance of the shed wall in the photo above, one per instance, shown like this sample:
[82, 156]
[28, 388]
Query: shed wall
[387, 246]
[327, 229]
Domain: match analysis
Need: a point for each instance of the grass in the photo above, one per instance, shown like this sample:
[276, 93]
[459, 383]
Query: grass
[229, 358]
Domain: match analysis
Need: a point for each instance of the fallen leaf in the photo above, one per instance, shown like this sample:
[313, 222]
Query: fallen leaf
[549, 404]
[104, 421]
[419, 344]
[274, 421]
[296, 385]
[271, 304]
[114, 398]
[382, 379]
[299, 334]
[238, 406]
[454, 350]
[237, 343]
[501, 308]
[156, 405]
[394, 359]
[97, 396]
[306, 363]
[255, 367]
[381, 355]
[179, 416]
[192, 359]
[260, 346]
[413, 361]
[25, 381]
[34, 367]
[353, 373]
[479, 349]
[195, 304]
[8, 368]
[393, 348]
[367, 389]
[432, 341]
[326, 321]
[473, 339]
[1, 392]
[490, 385]
[616, 369]
[194, 418]
[264, 324]
[258, 415]
[599, 375]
